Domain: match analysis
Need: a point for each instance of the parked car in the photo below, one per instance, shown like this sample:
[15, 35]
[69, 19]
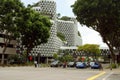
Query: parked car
[80, 65]
[71, 64]
[94, 65]
[55, 64]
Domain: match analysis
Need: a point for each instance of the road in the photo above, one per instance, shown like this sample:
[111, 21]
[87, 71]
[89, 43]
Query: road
[32, 73]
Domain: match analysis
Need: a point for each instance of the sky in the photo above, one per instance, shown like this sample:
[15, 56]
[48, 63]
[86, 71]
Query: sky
[89, 36]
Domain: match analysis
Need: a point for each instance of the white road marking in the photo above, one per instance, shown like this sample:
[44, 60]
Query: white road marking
[107, 76]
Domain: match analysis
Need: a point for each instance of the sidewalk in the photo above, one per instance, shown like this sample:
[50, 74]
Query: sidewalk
[113, 74]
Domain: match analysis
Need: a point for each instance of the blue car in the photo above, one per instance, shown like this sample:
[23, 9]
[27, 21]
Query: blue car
[94, 65]
[80, 65]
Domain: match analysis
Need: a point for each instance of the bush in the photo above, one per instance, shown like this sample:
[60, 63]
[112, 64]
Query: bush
[16, 59]
[114, 66]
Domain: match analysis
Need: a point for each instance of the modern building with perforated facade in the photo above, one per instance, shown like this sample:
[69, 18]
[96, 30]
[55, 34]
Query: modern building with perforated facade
[68, 28]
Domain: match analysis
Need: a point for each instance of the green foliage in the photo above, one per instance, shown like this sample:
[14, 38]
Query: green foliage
[13, 57]
[103, 16]
[91, 48]
[44, 65]
[65, 18]
[9, 12]
[93, 13]
[17, 58]
[112, 66]
[79, 34]
[55, 56]
[34, 28]
[61, 36]
[18, 21]
[66, 57]
[58, 15]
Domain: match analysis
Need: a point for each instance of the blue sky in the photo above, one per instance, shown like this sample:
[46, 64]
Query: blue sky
[63, 7]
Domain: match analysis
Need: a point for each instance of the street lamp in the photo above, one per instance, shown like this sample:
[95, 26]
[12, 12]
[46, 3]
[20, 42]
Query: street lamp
[39, 55]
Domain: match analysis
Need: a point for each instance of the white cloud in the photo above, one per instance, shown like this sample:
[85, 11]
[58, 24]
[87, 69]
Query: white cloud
[26, 2]
[90, 36]
[70, 2]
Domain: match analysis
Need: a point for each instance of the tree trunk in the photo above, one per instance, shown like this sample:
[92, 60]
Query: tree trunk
[28, 53]
[111, 50]
[2, 61]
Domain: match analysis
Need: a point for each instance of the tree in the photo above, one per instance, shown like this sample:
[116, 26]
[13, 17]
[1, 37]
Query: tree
[9, 11]
[55, 56]
[103, 16]
[61, 36]
[79, 34]
[33, 28]
[58, 15]
[90, 49]
[66, 57]
[65, 18]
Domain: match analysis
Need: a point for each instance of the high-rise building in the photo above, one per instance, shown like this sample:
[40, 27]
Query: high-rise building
[48, 8]
[70, 31]
[68, 28]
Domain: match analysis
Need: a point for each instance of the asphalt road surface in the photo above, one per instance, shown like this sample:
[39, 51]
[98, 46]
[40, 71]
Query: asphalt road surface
[32, 73]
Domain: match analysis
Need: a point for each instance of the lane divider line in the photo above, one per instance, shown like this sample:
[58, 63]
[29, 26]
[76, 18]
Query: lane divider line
[96, 76]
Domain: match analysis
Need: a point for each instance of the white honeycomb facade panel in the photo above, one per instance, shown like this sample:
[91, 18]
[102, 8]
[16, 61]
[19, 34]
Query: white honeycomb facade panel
[48, 7]
[70, 30]
[67, 28]
[78, 39]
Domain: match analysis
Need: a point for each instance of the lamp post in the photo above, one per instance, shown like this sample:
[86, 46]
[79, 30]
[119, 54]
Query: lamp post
[47, 58]
[39, 55]
[35, 61]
